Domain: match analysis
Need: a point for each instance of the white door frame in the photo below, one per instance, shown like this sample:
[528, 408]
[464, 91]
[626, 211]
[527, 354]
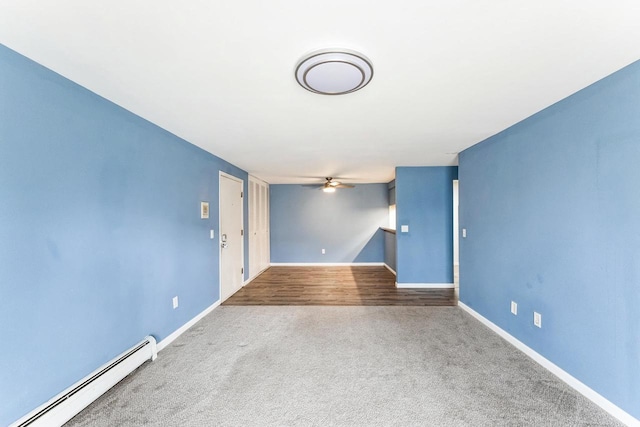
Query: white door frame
[241, 181]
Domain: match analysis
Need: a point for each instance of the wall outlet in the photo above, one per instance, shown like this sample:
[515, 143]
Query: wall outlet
[464, 233]
[404, 228]
[323, 252]
[537, 319]
[175, 302]
[514, 308]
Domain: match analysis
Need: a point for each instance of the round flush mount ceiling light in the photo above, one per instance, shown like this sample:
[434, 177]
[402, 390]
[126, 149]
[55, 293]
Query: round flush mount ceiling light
[334, 71]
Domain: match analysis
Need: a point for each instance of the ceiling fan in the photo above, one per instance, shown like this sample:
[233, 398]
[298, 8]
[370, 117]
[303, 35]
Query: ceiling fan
[330, 185]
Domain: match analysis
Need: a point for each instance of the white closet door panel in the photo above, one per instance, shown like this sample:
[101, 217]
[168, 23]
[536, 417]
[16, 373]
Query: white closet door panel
[259, 226]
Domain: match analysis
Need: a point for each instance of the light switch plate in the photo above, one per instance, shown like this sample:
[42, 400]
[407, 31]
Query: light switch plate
[204, 210]
[212, 234]
[175, 302]
[404, 228]
[537, 319]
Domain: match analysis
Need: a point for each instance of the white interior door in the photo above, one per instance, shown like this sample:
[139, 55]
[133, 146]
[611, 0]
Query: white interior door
[254, 255]
[266, 244]
[230, 236]
[259, 254]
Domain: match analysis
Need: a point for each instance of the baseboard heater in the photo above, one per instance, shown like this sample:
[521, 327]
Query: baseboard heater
[70, 402]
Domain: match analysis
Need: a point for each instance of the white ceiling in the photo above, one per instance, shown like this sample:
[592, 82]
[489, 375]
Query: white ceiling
[447, 73]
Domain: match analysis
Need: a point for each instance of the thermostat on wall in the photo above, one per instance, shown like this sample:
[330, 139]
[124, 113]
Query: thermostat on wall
[204, 210]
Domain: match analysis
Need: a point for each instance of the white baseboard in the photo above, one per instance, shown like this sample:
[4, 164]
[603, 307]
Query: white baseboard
[390, 269]
[556, 370]
[326, 264]
[169, 339]
[425, 285]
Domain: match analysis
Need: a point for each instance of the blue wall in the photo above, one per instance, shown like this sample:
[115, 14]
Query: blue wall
[424, 202]
[99, 229]
[346, 223]
[552, 209]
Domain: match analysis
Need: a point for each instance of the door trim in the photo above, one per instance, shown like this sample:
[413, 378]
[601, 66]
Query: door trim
[241, 181]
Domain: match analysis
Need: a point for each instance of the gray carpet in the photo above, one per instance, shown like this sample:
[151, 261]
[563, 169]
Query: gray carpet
[341, 366]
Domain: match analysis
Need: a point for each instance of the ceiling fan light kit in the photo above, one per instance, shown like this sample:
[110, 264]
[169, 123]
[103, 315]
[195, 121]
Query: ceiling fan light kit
[330, 185]
[334, 71]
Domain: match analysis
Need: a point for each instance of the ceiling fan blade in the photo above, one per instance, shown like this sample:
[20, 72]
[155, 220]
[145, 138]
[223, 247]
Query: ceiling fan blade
[329, 185]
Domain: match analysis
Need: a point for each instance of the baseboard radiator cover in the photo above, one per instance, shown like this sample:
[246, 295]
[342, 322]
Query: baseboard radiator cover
[74, 399]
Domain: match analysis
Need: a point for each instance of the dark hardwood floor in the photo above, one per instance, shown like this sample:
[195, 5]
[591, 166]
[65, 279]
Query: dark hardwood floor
[334, 286]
